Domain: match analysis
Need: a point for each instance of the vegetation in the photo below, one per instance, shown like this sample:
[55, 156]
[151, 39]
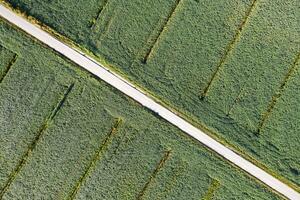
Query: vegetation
[222, 64]
[65, 134]
[7, 60]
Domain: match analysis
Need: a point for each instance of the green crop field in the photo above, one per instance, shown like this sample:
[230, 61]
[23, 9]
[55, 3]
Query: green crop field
[66, 135]
[230, 66]
[7, 59]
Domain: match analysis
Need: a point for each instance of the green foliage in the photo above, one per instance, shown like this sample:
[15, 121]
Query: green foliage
[238, 53]
[83, 143]
[7, 60]
[215, 184]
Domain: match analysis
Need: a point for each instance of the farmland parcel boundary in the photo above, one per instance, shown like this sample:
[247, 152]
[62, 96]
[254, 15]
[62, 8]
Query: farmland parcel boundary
[116, 81]
[8, 67]
[111, 68]
[98, 59]
[97, 156]
[214, 186]
[162, 29]
[166, 156]
[179, 171]
[94, 21]
[293, 68]
[166, 116]
[229, 49]
[33, 144]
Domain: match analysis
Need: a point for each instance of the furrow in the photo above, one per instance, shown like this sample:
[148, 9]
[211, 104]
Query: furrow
[33, 144]
[158, 167]
[278, 94]
[107, 27]
[141, 97]
[229, 49]
[172, 182]
[211, 190]
[97, 156]
[61, 102]
[94, 21]
[160, 33]
[11, 63]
